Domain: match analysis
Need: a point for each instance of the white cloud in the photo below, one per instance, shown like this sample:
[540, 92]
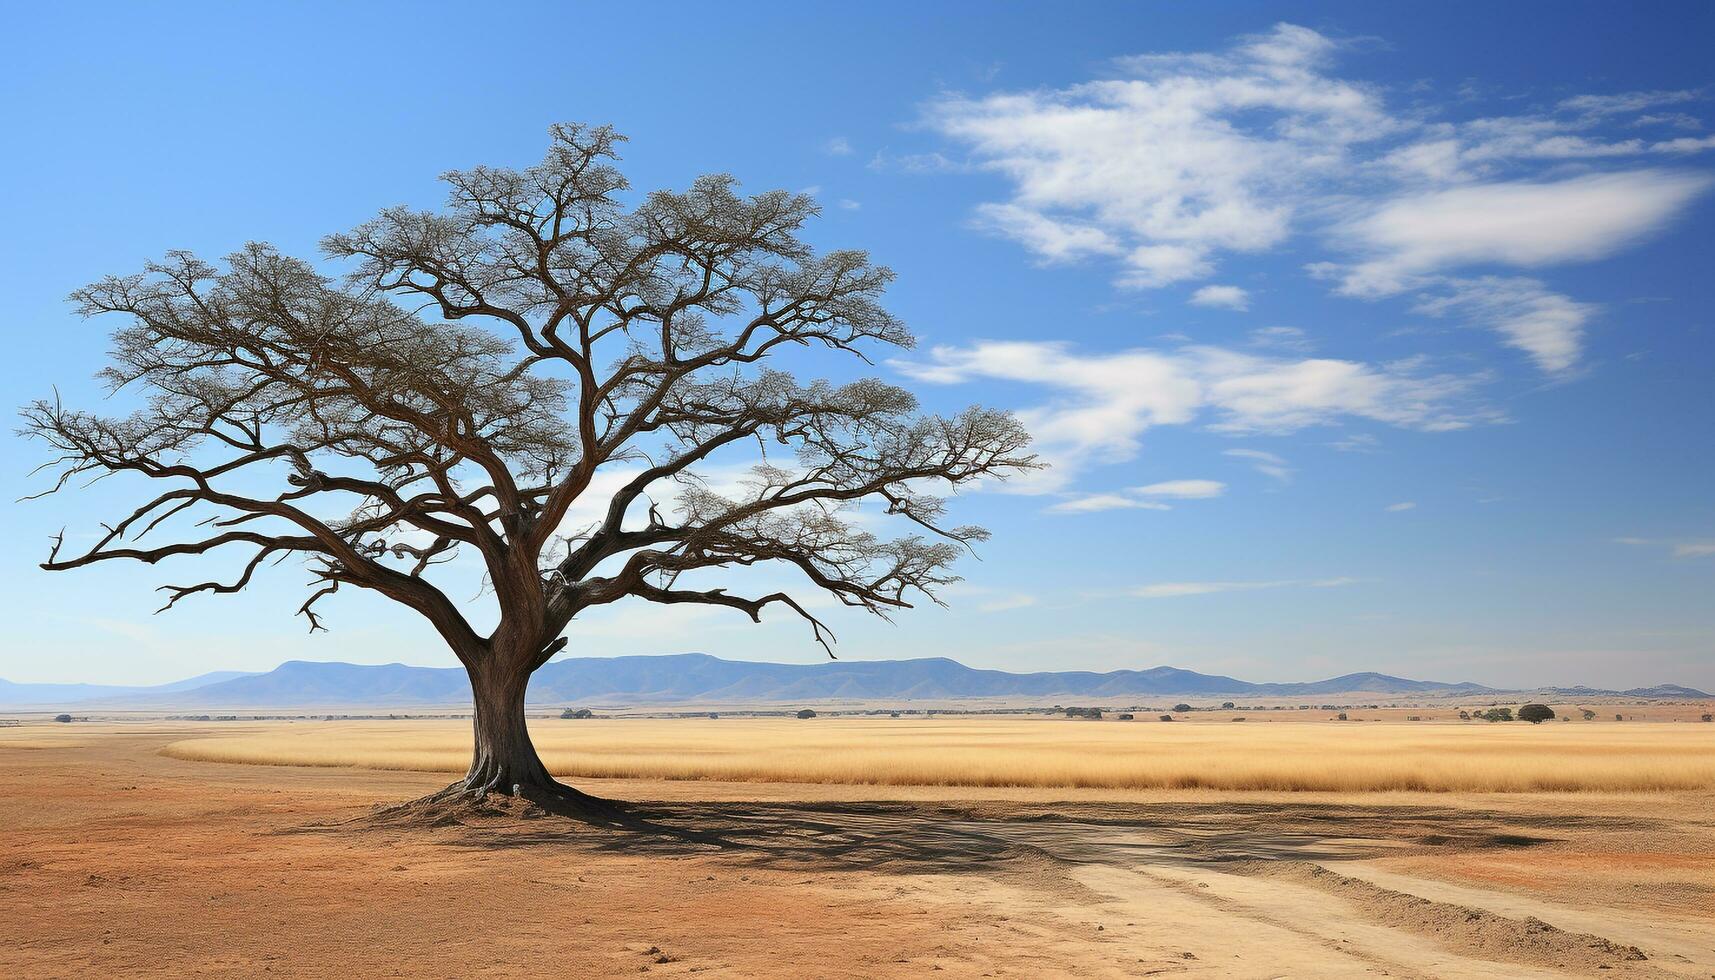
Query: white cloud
[1678, 120]
[1280, 338]
[1095, 502]
[838, 146]
[1053, 240]
[1103, 403]
[1183, 489]
[1266, 463]
[1401, 506]
[1685, 144]
[1520, 223]
[847, 204]
[1222, 297]
[1411, 242]
[1180, 156]
[1357, 442]
[1546, 325]
[1140, 498]
[1175, 590]
[1677, 547]
[1625, 102]
[1006, 603]
[1173, 160]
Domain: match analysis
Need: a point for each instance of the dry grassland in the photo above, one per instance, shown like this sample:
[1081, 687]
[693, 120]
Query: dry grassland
[1025, 753]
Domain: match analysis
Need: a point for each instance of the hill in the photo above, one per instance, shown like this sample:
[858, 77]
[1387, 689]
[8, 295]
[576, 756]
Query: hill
[699, 677]
[16, 694]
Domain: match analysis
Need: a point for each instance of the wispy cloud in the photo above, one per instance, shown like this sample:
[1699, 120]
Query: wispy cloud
[1183, 489]
[1140, 498]
[1007, 603]
[1175, 590]
[837, 146]
[1168, 162]
[1357, 442]
[1222, 297]
[1524, 223]
[1676, 547]
[1105, 402]
[1266, 463]
[1281, 338]
[1092, 503]
[1546, 325]
[1403, 505]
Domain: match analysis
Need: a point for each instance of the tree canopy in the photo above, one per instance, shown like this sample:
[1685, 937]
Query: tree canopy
[481, 368]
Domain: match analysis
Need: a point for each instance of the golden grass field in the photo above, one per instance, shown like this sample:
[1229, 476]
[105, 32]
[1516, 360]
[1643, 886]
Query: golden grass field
[986, 752]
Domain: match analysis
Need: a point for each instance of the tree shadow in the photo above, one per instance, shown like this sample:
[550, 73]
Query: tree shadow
[982, 837]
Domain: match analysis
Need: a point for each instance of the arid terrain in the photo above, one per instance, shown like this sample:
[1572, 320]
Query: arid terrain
[120, 858]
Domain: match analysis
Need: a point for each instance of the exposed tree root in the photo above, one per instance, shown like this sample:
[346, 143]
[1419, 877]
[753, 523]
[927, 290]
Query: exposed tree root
[461, 803]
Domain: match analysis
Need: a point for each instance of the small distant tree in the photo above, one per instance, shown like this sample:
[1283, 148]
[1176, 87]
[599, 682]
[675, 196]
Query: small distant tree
[1181, 708]
[1588, 714]
[1619, 717]
[1498, 714]
[1166, 717]
[63, 719]
[1536, 714]
[806, 713]
[544, 346]
[1126, 716]
[1226, 704]
[1707, 717]
[1340, 717]
[577, 713]
[1464, 715]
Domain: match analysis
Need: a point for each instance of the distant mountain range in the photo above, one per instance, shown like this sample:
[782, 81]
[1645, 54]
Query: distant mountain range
[23, 694]
[699, 677]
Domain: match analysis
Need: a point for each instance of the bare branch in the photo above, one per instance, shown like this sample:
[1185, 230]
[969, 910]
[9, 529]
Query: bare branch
[485, 366]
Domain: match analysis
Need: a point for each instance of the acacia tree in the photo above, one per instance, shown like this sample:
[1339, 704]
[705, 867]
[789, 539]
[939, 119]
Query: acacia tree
[464, 385]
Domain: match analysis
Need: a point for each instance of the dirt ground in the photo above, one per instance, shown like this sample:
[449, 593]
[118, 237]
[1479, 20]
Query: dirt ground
[117, 861]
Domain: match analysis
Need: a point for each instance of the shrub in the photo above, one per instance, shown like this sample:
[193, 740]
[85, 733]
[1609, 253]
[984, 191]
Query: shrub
[714, 715]
[1166, 717]
[577, 713]
[806, 713]
[1084, 713]
[1536, 714]
[1708, 717]
[1182, 708]
[1226, 704]
[1239, 718]
[1125, 717]
[1340, 717]
[1588, 714]
[1497, 714]
[1464, 716]
[63, 719]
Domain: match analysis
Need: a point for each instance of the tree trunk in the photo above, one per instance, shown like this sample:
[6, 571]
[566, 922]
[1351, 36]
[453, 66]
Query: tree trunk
[505, 760]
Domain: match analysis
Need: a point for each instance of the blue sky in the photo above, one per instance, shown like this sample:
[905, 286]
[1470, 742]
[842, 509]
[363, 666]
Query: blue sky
[1361, 337]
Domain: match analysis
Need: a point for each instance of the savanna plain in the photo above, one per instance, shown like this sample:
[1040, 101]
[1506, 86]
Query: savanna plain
[860, 846]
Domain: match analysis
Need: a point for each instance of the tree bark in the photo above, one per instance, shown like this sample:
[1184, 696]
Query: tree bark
[505, 759]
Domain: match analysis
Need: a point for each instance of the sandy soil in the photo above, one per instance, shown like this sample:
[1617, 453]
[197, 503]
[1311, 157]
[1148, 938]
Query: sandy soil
[115, 860]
